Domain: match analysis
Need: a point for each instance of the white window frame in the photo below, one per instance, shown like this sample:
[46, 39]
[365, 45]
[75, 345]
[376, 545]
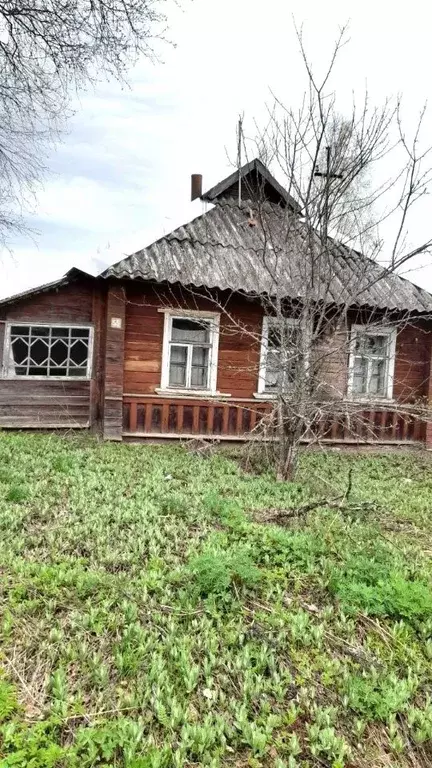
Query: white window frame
[213, 318]
[6, 372]
[375, 330]
[268, 321]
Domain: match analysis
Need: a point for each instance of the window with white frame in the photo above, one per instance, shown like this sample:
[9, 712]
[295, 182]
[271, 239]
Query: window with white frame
[190, 351]
[48, 351]
[371, 363]
[279, 355]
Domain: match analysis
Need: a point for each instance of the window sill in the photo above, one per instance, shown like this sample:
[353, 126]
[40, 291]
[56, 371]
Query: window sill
[376, 400]
[191, 393]
[265, 395]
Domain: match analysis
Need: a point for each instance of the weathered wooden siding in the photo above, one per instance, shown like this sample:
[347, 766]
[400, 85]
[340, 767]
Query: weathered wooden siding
[70, 303]
[239, 346]
[127, 360]
[27, 403]
[412, 362]
[44, 404]
[239, 343]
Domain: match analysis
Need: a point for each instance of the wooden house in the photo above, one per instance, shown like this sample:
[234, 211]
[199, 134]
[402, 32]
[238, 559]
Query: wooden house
[172, 341]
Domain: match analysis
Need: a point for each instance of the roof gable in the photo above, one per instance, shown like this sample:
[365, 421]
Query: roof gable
[257, 184]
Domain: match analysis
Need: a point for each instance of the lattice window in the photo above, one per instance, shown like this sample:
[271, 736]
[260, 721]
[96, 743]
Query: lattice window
[49, 351]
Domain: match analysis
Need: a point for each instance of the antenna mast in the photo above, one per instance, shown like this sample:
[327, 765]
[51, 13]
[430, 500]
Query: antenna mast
[239, 163]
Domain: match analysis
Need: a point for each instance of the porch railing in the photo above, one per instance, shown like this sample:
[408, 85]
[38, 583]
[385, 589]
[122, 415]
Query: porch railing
[152, 416]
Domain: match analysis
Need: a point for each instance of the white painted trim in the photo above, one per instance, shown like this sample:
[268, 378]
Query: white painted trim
[373, 330]
[265, 396]
[214, 321]
[261, 393]
[191, 394]
[7, 342]
[187, 312]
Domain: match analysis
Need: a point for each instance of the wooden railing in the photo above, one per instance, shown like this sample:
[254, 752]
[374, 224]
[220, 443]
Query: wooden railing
[148, 416]
[162, 416]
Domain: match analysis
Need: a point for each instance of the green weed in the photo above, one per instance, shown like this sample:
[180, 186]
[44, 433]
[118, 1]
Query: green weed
[149, 620]
[216, 572]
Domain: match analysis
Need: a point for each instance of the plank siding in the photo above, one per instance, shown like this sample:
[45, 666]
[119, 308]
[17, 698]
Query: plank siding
[27, 403]
[240, 329]
[239, 346]
[70, 303]
[127, 361]
[412, 362]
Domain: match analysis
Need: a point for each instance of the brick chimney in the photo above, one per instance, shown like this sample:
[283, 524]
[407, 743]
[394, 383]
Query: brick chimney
[196, 186]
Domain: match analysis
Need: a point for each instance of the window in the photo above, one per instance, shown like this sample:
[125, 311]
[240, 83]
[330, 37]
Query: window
[371, 364]
[190, 351]
[279, 355]
[48, 351]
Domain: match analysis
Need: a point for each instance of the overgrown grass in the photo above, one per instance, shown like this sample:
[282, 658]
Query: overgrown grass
[149, 620]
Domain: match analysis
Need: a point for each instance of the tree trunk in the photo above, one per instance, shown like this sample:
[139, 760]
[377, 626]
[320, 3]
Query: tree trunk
[287, 446]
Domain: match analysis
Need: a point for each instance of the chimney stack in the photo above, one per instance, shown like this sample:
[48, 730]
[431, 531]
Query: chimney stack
[196, 186]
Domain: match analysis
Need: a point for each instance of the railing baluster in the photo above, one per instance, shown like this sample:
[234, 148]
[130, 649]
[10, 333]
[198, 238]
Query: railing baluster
[394, 425]
[210, 420]
[225, 417]
[371, 435]
[148, 416]
[195, 419]
[334, 429]
[179, 418]
[383, 423]
[239, 420]
[165, 415]
[417, 429]
[133, 416]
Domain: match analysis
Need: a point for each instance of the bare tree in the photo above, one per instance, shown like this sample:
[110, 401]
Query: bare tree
[48, 49]
[317, 283]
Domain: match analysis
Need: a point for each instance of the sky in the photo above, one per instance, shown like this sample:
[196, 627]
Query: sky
[120, 177]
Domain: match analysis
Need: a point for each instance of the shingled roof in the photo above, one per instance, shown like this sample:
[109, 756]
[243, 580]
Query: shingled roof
[224, 249]
[221, 250]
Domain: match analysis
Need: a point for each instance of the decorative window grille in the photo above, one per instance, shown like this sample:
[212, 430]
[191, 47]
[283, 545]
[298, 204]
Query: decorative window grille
[53, 351]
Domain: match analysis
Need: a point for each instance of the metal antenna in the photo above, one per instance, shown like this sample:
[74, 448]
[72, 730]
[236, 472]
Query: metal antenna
[239, 151]
[328, 175]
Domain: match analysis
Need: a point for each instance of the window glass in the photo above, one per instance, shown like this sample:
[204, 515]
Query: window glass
[281, 356]
[37, 350]
[190, 346]
[370, 366]
[178, 365]
[190, 331]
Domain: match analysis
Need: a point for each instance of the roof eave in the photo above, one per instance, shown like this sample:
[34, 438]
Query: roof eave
[69, 277]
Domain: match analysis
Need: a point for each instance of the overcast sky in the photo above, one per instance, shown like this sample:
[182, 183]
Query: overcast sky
[121, 176]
